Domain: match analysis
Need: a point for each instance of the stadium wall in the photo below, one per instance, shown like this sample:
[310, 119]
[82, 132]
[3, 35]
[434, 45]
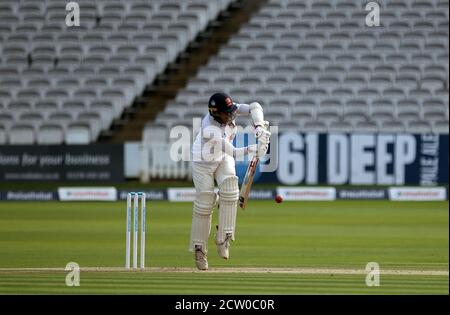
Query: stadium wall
[294, 159]
[360, 159]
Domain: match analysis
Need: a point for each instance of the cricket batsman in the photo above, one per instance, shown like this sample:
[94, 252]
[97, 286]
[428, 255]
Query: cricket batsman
[214, 162]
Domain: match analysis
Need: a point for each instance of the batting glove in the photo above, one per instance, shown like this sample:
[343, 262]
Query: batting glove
[262, 148]
[261, 132]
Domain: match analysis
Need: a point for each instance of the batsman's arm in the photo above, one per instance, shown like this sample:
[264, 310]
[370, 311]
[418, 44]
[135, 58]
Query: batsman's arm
[255, 110]
[257, 113]
[238, 152]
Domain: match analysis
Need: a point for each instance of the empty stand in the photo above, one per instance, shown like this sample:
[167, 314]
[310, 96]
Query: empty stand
[317, 66]
[93, 72]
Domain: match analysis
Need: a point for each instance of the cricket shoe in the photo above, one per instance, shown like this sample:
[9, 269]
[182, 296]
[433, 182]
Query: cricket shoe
[223, 249]
[201, 259]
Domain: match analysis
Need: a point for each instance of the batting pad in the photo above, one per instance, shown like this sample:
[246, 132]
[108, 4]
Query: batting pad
[201, 219]
[228, 200]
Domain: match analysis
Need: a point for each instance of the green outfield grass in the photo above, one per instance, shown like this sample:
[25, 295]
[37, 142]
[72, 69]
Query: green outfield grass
[193, 284]
[339, 234]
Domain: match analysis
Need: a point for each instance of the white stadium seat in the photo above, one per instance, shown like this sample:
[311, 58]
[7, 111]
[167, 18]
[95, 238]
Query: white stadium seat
[22, 133]
[50, 134]
[78, 133]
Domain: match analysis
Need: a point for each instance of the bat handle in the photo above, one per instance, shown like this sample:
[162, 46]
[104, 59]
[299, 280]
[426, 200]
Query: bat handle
[242, 203]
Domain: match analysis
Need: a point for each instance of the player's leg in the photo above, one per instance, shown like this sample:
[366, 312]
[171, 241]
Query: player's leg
[228, 199]
[202, 214]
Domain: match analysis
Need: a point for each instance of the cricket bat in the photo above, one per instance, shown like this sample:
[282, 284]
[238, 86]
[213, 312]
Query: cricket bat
[247, 182]
[248, 178]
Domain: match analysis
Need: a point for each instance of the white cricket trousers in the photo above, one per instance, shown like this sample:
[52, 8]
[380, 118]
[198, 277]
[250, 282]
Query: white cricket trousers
[203, 176]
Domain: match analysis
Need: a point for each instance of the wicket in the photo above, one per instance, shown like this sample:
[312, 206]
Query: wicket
[135, 196]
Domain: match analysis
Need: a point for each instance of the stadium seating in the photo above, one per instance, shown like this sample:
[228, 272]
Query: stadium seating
[62, 84]
[317, 66]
